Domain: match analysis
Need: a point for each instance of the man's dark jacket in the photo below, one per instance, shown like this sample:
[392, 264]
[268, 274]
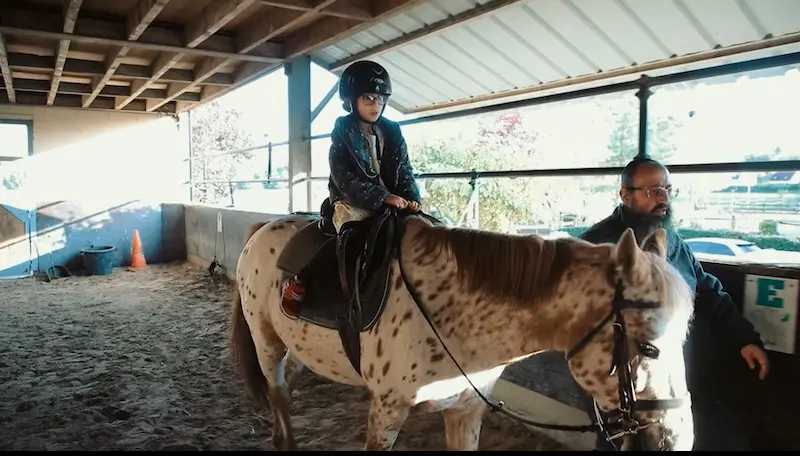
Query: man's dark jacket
[712, 303]
[354, 179]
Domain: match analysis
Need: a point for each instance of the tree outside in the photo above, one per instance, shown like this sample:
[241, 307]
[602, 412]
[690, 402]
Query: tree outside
[505, 142]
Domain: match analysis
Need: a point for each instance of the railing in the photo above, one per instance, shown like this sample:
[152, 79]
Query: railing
[643, 85]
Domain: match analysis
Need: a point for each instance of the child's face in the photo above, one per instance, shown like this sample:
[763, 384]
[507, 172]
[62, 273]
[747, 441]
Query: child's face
[370, 105]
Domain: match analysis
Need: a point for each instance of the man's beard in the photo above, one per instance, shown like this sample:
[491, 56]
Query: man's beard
[644, 224]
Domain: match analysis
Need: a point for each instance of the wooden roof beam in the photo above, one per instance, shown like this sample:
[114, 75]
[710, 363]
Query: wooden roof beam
[342, 9]
[213, 17]
[330, 30]
[76, 88]
[138, 20]
[20, 22]
[75, 101]
[5, 69]
[70, 17]
[89, 68]
[272, 24]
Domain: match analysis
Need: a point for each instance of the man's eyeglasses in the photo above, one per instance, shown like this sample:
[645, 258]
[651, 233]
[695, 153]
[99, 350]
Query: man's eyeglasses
[657, 192]
[370, 100]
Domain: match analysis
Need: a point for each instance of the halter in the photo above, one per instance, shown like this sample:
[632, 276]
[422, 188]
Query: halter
[623, 423]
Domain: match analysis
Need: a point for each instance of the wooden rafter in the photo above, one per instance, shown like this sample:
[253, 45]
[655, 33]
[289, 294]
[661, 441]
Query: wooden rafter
[326, 31]
[138, 20]
[272, 24]
[148, 59]
[332, 29]
[26, 23]
[209, 21]
[70, 17]
[8, 82]
[343, 10]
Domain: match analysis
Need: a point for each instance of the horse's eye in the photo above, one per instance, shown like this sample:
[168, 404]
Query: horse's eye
[648, 350]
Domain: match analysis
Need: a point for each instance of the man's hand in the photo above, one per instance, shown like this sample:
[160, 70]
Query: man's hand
[413, 206]
[396, 201]
[752, 354]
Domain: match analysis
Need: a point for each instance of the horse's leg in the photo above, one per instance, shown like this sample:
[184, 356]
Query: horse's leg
[270, 357]
[462, 427]
[386, 418]
[293, 368]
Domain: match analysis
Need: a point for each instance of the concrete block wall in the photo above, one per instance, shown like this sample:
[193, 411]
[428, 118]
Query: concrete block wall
[204, 241]
[92, 179]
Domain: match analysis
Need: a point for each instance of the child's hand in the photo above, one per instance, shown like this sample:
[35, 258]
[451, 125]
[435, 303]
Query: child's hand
[413, 206]
[396, 201]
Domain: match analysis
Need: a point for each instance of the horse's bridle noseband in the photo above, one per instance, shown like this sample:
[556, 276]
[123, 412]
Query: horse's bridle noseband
[621, 422]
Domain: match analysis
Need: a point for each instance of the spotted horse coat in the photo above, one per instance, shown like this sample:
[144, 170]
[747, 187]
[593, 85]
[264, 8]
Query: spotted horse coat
[493, 299]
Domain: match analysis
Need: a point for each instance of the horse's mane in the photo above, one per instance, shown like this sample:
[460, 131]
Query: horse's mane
[678, 298]
[521, 268]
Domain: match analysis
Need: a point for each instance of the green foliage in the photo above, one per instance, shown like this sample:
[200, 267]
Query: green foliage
[505, 143]
[768, 227]
[501, 143]
[216, 129]
[623, 142]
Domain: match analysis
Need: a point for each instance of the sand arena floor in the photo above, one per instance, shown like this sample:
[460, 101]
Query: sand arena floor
[139, 361]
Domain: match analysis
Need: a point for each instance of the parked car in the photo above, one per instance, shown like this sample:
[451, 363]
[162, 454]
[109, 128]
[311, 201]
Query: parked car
[728, 249]
[721, 246]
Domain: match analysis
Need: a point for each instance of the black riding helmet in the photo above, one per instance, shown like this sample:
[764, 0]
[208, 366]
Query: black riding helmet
[364, 76]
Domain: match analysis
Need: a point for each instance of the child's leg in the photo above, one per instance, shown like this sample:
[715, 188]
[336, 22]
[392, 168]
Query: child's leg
[344, 212]
[294, 290]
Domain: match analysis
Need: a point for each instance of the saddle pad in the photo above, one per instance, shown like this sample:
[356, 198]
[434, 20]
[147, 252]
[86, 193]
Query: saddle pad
[301, 247]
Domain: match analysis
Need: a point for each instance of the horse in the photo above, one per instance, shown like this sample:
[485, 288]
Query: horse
[460, 305]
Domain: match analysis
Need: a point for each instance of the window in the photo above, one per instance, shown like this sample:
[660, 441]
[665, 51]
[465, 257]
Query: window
[15, 139]
[581, 133]
[742, 118]
[16, 142]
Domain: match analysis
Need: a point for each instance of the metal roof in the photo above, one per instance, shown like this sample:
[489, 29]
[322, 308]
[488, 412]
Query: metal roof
[447, 53]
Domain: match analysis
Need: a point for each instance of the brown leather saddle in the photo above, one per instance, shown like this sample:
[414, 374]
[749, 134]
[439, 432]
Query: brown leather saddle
[351, 291]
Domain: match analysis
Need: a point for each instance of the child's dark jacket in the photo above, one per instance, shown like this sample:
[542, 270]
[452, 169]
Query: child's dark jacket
[353, 177]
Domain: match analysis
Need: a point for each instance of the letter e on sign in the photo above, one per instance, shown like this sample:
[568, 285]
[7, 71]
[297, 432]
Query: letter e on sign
[768, 290]
[770, 303]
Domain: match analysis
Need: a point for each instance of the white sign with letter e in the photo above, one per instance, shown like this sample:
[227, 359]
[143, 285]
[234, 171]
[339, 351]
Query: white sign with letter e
[770, 303]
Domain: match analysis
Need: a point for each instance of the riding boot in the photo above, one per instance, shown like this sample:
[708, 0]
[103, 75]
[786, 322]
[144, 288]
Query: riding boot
[294, 290]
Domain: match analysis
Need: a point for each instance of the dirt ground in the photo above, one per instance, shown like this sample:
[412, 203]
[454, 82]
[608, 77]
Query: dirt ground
[139, 361]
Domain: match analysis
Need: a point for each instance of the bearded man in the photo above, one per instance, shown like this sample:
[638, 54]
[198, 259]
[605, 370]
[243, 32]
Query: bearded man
[645, 191]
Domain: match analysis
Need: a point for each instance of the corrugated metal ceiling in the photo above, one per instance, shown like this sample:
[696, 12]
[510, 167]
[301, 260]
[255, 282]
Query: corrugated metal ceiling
[537, 42]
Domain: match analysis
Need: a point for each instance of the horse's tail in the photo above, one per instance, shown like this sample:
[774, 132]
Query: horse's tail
[243, 349]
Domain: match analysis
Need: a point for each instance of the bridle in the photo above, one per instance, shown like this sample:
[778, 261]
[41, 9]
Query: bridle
[620, 422]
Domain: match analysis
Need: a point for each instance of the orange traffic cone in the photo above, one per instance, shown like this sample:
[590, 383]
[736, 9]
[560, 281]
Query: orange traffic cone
[137, 256]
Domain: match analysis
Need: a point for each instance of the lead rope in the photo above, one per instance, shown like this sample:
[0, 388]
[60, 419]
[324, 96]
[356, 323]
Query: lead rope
[500, 406]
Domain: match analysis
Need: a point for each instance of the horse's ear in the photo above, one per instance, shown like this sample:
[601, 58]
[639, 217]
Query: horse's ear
[656, 242]
[626, 252]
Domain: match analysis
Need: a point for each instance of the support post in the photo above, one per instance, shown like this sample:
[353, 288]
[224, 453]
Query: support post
[298, 72]
[187, 116]
[644, 96]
